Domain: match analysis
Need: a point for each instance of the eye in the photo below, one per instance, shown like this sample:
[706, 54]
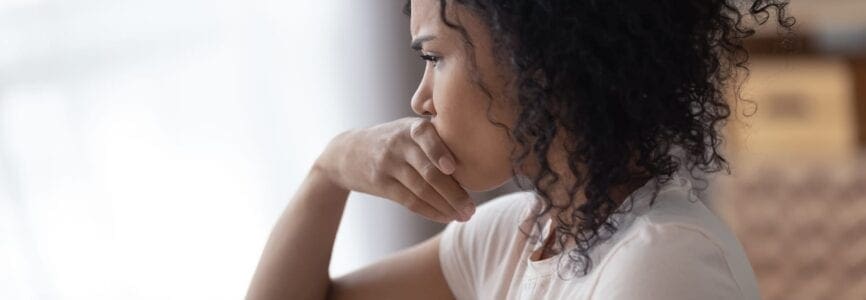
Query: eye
[430, 58]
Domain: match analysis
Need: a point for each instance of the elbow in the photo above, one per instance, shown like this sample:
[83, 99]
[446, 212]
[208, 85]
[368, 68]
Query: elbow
[331, 292]
[290, 293]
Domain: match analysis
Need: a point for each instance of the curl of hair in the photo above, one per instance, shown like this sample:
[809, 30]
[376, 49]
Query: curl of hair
[626, 80]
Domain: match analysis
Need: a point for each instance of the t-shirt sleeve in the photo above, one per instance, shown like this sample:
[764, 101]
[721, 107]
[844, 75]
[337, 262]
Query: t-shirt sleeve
[456, 262]
[667, 262]
[468, 251]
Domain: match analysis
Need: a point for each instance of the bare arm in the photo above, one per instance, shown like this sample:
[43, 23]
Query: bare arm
[294, 264]
[386, 161]
[413, 273]
[295, 261]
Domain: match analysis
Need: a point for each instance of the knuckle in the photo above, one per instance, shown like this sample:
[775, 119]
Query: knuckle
[391, 141]
[412, 204]
[418, 128]
[465, 199]
[380, 159]
[428, 192]
[429, 172]
[388, 158]
[378, 179]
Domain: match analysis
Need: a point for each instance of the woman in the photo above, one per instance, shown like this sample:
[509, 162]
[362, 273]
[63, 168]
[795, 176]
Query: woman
[598, 103]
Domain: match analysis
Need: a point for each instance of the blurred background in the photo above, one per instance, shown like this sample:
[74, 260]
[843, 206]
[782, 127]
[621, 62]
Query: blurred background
[147, 147]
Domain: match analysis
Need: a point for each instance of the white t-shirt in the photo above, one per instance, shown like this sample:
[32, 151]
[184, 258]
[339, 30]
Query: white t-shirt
[674, 249]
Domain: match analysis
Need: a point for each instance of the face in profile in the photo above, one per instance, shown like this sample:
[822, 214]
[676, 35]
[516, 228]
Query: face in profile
[457, 106]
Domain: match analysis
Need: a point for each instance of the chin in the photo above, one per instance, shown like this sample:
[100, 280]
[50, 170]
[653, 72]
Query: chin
[478, 182]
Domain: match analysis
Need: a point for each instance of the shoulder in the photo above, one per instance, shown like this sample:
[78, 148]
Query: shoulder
[678, 249]
[666, 261]
[688, 212]
[469, 252]
[493, 222]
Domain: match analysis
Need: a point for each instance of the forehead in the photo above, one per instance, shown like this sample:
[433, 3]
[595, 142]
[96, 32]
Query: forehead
[425, 17]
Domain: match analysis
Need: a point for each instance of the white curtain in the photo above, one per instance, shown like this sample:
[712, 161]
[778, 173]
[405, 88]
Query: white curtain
[147, 147]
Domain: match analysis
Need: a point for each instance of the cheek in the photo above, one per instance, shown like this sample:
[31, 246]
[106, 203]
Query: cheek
[480, 148]
[485, 165]
[454, 132]
[456, 114]
[463, 124]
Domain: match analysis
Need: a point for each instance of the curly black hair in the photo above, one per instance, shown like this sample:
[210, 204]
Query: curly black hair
[628, 81]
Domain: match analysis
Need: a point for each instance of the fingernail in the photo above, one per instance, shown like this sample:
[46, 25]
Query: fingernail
[462, 218]
[468, 211]
[446, 165]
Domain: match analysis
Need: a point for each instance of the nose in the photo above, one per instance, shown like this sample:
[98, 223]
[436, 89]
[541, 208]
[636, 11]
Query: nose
[422, 100]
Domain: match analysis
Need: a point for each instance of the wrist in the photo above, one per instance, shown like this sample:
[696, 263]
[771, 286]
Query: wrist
[323, 179]
[327, 166]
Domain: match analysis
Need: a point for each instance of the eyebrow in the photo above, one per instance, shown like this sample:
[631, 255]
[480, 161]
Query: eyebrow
[416, 43]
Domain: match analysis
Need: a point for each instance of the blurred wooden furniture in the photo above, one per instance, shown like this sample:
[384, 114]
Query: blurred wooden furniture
[797, 196]
[803, 227]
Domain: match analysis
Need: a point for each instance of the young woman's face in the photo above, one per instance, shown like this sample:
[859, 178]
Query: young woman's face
[456, 104]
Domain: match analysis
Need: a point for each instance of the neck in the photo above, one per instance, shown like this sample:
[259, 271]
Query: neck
[563, 204]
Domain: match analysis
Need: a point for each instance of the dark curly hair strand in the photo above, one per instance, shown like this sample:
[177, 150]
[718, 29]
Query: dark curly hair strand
[626, 80]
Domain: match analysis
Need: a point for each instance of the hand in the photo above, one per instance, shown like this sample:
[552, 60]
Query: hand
[405, 161]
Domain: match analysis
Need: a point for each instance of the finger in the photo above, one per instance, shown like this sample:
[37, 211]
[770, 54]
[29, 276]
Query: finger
[424, 134]
[410, 178]
[445, 185]
[399, 193]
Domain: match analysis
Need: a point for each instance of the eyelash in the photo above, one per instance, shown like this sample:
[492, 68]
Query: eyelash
[430, 58]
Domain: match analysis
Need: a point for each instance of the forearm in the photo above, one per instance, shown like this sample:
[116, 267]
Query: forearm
[294, 263]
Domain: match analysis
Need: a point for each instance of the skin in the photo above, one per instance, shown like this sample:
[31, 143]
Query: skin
[406, 161]
[457, 106]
